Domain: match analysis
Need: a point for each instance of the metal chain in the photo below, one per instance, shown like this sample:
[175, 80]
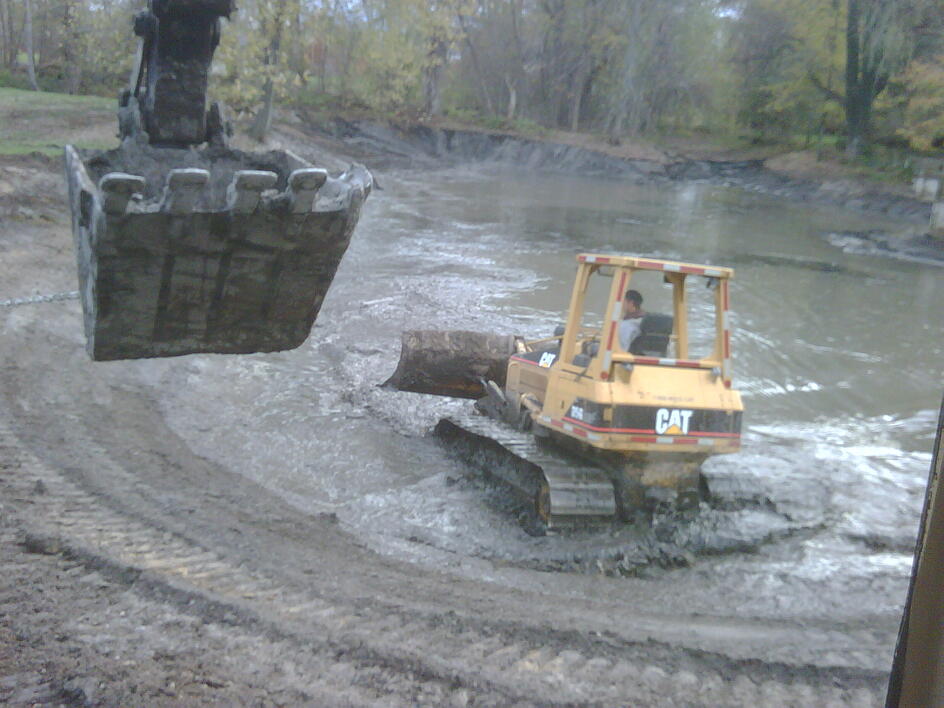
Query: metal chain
[71, 295]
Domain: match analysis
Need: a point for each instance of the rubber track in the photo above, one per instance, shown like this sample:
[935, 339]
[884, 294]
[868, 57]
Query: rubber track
[405, 650]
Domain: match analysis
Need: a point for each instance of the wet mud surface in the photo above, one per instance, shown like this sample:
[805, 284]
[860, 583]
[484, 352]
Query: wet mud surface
[277, 530]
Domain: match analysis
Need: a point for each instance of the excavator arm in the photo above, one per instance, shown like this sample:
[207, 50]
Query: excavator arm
[169, 90]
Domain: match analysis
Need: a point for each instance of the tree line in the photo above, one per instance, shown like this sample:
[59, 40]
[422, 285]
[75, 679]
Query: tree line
[859, 71]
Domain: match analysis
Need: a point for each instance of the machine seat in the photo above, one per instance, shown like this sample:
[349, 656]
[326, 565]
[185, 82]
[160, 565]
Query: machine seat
[655, 334]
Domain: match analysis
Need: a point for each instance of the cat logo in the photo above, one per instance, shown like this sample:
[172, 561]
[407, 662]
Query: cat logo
[672, 422]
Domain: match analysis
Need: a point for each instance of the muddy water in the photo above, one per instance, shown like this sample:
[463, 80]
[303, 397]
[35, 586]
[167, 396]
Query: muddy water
[838, 356]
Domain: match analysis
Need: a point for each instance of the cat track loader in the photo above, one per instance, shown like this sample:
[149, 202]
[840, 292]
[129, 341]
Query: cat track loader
[583, 429]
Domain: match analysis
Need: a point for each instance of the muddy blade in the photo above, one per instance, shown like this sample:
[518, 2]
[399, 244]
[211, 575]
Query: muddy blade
[451, 363]
[563, 491]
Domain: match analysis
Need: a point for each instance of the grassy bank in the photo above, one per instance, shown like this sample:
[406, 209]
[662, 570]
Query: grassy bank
[38, 121]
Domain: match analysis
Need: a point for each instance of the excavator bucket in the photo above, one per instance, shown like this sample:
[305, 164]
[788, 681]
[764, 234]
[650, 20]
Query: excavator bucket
[184, 245]
[182, 252]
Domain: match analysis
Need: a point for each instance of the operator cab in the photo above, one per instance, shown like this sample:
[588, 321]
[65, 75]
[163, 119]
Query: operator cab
[683, 316]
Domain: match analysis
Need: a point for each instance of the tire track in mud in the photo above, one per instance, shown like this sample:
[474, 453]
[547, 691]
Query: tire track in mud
[322, 640]
[384, 649]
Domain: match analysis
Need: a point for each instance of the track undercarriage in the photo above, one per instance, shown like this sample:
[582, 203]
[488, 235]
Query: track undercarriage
[566, 486]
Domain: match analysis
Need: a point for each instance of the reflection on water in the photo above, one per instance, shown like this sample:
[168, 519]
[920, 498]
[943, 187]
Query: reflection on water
[839, 357]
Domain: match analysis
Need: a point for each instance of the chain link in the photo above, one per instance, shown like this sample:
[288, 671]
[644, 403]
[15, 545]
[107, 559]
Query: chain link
[55, 297]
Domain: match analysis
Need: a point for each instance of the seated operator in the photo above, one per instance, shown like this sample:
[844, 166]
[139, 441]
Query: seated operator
[631, 324]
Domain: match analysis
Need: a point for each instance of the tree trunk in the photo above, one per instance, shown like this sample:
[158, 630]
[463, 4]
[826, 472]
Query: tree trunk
[580, 90]
[5, 34]
[512, 99]
[70, 47]
[432, 74]
[263, 119]
[867, 67]
[473, 55]
[28, 39]
[8, 36]
[41, 42]
[853, 88]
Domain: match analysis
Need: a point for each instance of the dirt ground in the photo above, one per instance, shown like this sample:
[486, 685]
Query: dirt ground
[138, 573]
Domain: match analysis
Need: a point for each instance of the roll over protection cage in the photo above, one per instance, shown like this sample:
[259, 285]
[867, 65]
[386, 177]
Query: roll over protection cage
[675, 273]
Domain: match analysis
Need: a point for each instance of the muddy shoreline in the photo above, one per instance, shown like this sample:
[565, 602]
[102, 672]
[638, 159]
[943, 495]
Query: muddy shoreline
[139, 572]
[419, 146]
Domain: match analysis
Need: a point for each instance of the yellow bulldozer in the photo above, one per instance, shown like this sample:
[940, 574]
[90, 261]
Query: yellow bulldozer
[583, 425]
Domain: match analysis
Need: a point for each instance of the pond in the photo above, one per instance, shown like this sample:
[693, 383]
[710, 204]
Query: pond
[838, 356]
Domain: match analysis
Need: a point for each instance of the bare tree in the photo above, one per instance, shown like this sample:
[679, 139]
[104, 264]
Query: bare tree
[9, 45]
[432, 75]
[874, 50]
[28, 41]
[263, 119]
[476, 65]
[71, 41]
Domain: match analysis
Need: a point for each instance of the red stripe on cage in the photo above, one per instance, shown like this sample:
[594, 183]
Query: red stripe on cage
[619, 290]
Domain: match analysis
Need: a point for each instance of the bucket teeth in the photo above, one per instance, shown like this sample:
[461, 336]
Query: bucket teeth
[117, 189]
[303, 186]
[244, 192]
[184, 190]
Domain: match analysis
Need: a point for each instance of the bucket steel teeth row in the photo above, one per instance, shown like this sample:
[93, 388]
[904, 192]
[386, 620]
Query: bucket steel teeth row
[565, 492]
[186, 187]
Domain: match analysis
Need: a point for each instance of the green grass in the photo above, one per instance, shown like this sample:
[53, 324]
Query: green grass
[43, 122]
[41, 99]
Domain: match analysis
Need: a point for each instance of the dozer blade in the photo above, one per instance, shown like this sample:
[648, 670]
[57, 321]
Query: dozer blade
[452, 363]
[215, 250]
[564, 491]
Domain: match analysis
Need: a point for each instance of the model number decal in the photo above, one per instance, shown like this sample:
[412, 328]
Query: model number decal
[672, 421]
[547, 358]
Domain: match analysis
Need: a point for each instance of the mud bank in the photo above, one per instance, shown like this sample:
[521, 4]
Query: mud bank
[140, 570]
[918, 247]
[421, 145]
